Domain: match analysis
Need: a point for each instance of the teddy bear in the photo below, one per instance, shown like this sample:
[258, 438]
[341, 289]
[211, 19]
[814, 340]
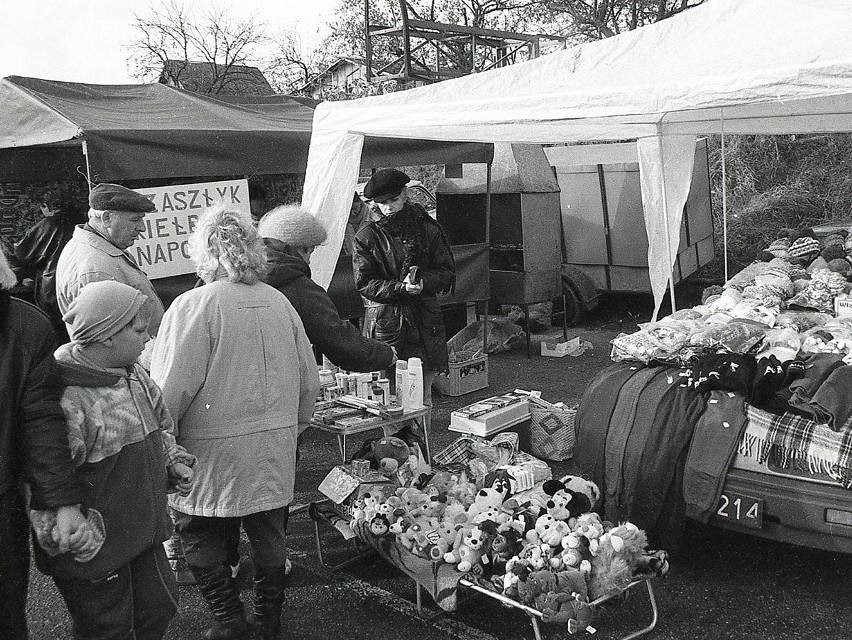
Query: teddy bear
[414, 502]
[575, 554]
[536, 555]
[387, 454]
[464, 491]
[517, 569]
[448, 530]
[454, 512]
[618, 554]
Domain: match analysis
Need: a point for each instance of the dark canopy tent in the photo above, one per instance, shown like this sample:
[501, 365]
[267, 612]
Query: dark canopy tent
[49, 128]
[142, 131]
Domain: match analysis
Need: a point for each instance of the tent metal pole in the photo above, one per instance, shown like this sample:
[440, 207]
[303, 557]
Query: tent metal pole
[88, 164]
[724, 196]
[666, 218]
[488, 257]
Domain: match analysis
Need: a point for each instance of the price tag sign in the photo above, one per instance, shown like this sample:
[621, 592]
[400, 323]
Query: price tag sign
[843, 307]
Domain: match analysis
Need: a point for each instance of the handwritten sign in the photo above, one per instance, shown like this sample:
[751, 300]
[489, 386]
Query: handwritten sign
[162, 249]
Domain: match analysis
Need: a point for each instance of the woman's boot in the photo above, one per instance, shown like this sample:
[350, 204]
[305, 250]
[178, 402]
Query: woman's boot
[222, 595]
[268, 600]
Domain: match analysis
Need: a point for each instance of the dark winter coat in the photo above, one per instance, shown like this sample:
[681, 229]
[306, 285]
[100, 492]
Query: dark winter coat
[33, 439]
[120, 435]
[384, 251]
[338, 339]
[38, 251]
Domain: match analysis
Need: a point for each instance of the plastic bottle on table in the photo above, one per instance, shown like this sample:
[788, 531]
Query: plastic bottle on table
[414, 395]
[401, 380]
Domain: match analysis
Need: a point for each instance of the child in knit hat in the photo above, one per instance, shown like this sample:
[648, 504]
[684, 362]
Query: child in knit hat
[120, 433]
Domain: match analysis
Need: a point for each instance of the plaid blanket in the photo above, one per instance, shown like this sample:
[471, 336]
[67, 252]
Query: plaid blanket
[795, 442]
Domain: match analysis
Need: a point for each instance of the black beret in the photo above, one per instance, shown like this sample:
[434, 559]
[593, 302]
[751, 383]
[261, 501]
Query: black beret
[114, 197]
[386, 183]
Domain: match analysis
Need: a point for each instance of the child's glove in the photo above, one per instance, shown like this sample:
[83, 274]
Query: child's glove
[179, 463]
[84, 544]
[181, 476]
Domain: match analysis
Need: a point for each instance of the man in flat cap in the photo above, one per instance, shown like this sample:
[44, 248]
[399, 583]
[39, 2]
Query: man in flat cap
[98, 249]
[401, 263]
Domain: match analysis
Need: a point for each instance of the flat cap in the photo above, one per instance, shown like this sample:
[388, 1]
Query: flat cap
[387, 183]
[114, 197]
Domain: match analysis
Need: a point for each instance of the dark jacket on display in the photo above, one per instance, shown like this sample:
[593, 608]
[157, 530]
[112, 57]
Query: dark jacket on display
[33, 440]
[384, 251]
[338, 339]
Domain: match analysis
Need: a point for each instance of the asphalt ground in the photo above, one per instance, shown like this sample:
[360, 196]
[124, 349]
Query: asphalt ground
[722, 584]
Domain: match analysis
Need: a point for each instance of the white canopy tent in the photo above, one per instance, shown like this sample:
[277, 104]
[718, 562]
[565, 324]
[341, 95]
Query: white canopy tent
[727, 66]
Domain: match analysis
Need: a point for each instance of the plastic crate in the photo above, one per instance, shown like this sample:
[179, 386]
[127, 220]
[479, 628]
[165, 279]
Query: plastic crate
[464, 377]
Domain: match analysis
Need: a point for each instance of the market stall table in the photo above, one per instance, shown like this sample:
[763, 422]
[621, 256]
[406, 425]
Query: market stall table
[388, 425]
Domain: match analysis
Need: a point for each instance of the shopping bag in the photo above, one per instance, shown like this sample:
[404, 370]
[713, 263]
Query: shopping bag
[552, 434]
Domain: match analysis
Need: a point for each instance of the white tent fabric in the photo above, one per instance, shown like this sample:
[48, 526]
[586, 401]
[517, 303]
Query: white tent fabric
[759, 66]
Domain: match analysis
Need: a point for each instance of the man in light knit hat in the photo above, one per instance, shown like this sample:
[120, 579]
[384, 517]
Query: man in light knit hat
[290, 235]
[121, 438]
[98, 249]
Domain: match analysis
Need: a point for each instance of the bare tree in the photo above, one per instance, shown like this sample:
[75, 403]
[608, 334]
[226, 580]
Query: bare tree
[597, 19]
[173, 38]
[291, 66]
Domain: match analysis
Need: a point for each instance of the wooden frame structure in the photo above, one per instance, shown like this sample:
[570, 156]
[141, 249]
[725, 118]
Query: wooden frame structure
[434, 51]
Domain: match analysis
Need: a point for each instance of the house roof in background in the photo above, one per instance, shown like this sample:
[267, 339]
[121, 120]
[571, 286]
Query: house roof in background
[199, 77]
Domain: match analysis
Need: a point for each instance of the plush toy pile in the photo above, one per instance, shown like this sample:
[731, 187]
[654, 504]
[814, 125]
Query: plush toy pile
[544, 547]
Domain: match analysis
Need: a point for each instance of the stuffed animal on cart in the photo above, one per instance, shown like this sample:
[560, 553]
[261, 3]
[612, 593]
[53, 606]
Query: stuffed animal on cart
[386, 454]
[569, 601]
[548, 530]
[570, 496]
[467, 553]
[575, 554]
[415, 503]
[618, 555]
[448, 530]
[590, 527]
[485, 499]
[505, 544]
[536, 555]
[558, 608]
[516, 570]
[379, 525]
[365, 507]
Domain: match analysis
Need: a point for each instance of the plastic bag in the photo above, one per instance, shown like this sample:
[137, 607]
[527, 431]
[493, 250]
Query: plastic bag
[735, 336]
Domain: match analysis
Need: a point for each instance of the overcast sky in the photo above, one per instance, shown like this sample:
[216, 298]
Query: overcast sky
[82, 40]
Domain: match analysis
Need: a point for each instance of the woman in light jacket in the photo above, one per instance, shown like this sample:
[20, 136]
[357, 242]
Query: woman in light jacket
[240, 379]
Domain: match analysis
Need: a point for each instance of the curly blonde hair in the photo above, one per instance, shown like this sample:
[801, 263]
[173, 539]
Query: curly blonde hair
[225, 246]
